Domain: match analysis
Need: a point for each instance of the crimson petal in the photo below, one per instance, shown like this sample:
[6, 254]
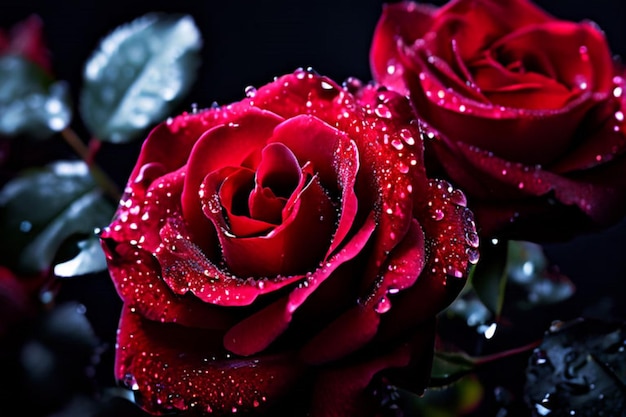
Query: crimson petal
[247, 340]
[185, 268]
[176, 368]
[222, 146]
[359, 325]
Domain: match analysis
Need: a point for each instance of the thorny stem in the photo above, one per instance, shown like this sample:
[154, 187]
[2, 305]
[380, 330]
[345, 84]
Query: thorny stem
[87, 155]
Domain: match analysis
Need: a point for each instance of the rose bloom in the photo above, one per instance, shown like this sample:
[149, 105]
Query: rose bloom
[286, 248]
[525, 111]
[25, 39]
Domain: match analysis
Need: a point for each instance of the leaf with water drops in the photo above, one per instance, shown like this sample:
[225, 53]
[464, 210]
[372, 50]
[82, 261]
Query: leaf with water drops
[31, 103]
[539, 282]
[89, 259]
[41, 209]
[579, 370]
[139, 73]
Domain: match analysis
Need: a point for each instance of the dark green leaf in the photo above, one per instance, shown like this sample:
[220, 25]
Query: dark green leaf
[579, 369]
[43, 208]
[449, 367]
[530, 271]
[30, 102]
[90, 259]
[490, 276]
[470, 308]
[138, 75]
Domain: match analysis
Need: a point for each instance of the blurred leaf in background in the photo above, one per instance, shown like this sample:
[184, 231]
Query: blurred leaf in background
[43, 208]
[139, 73]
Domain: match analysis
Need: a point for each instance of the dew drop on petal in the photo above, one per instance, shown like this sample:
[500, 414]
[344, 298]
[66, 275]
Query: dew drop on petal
[458, 197]
[438, 214]
[383, 305]
[472, 255]
[396, 143]
[472, 239]
[130, 382]
[383, 111]
[250, 91]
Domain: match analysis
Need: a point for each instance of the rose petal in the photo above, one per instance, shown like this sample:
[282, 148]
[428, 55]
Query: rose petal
[136, 278]
[277, 318]
[176, 368]
[278, 170]
[27, 40]
[284, 251]
[222, 146]
[315, 141]
[185, 268]
[601, 137]
[133, 268]
[450, 233]
[356, 327]
[232, 187]
[485, 125]
[476, 23]
[400, 23]
[343, 392]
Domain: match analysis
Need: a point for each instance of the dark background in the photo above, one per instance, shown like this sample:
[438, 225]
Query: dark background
[251, 42]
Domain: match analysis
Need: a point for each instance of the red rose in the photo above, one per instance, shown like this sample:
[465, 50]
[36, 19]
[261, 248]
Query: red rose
[26, 40]
[290, 242]
[529, 110]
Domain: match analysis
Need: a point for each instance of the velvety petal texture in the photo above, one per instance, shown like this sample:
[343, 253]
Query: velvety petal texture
[511, 85]
[260, 247]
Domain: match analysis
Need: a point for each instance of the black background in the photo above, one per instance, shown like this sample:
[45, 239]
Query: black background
[251, 42]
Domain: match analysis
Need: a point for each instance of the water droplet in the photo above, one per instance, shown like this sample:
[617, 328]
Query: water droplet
[352, 84]
[383, 305]
[472, 239]
[458, 197]
[584, 53]
[540, 357]
[454, 271]
[130, 382]
[617, 91]
[392, 290]
[25, 226]
[396, 143]
[407, 137]
[541, 410]
[472, 255]
[250, 91]
[438, 214]
[383, 111]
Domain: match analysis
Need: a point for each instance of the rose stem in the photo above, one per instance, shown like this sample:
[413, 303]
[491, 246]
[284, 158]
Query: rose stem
[482, 360]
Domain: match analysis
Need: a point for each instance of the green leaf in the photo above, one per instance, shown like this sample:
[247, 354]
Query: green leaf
[530, 271]
[89, 260]
[490, 276]
[138, 75]
[30, 102]
[449, 367]
[579, 369]
[41, 209]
